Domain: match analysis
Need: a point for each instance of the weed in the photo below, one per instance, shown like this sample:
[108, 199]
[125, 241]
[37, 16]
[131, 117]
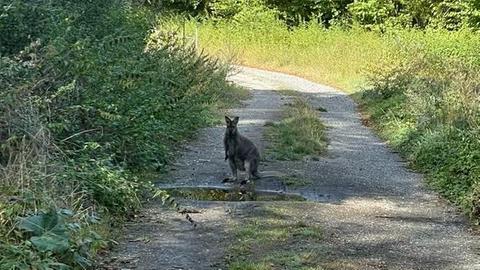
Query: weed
[92, 97]
[289, 92]
[294, 181]
[299, 134]
[269, 240]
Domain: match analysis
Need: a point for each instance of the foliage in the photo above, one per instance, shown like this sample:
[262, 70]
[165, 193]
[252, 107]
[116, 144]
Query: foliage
[26, 19]
[446, 14]
[91, 96]
[48, 236]
[299, 11]
[426, 104]
[242, 12]
[371, 14]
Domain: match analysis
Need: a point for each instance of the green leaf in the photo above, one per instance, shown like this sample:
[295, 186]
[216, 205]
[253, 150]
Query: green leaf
[40, 223]
[49, 231]
[51, 242]
[81, 260]
[59, 266]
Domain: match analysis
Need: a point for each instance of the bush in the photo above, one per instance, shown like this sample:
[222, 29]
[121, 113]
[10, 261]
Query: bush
[91, 98]
[428, 107]
[370, 13]
[297, 12]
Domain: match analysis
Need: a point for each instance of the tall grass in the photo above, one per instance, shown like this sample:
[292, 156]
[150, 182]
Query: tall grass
[427, 104]
[332, 56]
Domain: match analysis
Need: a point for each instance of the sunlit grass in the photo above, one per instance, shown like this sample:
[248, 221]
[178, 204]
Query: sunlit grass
[334, 57]
[300, 133]
[274, 238]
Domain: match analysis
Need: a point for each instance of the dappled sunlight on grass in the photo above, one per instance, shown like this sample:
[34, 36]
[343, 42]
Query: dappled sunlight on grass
[299, 134]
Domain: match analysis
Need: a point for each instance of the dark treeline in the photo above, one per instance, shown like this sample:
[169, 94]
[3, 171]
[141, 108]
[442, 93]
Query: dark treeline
[450, 14]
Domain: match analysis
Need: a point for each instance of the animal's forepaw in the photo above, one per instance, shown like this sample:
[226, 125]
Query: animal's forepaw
[229, 179]
[245, 182]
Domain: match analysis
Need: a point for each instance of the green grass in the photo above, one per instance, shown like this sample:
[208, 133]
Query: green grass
[300, 133]
[294, 181]
[271, 238]
[289, 92]
[334, 57]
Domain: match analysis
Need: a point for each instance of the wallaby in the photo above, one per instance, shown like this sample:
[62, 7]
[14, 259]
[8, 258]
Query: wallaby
[240, 151]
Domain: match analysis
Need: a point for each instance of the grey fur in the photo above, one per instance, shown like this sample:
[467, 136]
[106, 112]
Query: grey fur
[241, 153]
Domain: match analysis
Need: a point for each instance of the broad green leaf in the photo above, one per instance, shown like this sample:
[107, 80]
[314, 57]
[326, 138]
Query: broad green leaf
[49, 232]
[51, 242]
[40, 223]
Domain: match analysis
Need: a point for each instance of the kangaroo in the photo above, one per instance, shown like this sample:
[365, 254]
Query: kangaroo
[240, 151]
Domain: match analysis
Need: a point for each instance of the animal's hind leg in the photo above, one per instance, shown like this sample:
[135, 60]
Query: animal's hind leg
[248, 169]
[254, 169]
[233, 167]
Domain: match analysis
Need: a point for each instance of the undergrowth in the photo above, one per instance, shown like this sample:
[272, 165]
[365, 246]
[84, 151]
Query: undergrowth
[273, 237]
[91, 98]
[300, 133]
[428, 107]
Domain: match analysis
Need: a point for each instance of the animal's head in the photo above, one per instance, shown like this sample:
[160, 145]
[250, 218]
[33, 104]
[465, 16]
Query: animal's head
[231, 125]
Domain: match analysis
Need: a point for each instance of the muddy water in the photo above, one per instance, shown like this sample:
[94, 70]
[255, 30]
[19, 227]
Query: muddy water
[241, 193]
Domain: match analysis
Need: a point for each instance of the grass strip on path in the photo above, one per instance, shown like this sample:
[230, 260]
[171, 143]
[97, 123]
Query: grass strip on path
[273, 236]
[300, 133]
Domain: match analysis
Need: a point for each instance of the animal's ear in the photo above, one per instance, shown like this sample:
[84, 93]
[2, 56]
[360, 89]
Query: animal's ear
[235, 120]
[227, 120]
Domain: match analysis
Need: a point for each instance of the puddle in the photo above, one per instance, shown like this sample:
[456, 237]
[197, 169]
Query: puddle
[230, 194]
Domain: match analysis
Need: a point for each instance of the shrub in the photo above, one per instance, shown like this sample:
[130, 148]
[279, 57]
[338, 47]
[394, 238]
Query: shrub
[428, 107]
[90, 99]
[297, 12]
[370, 13]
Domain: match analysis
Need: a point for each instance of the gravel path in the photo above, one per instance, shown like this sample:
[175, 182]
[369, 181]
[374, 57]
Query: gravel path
[376, 213]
